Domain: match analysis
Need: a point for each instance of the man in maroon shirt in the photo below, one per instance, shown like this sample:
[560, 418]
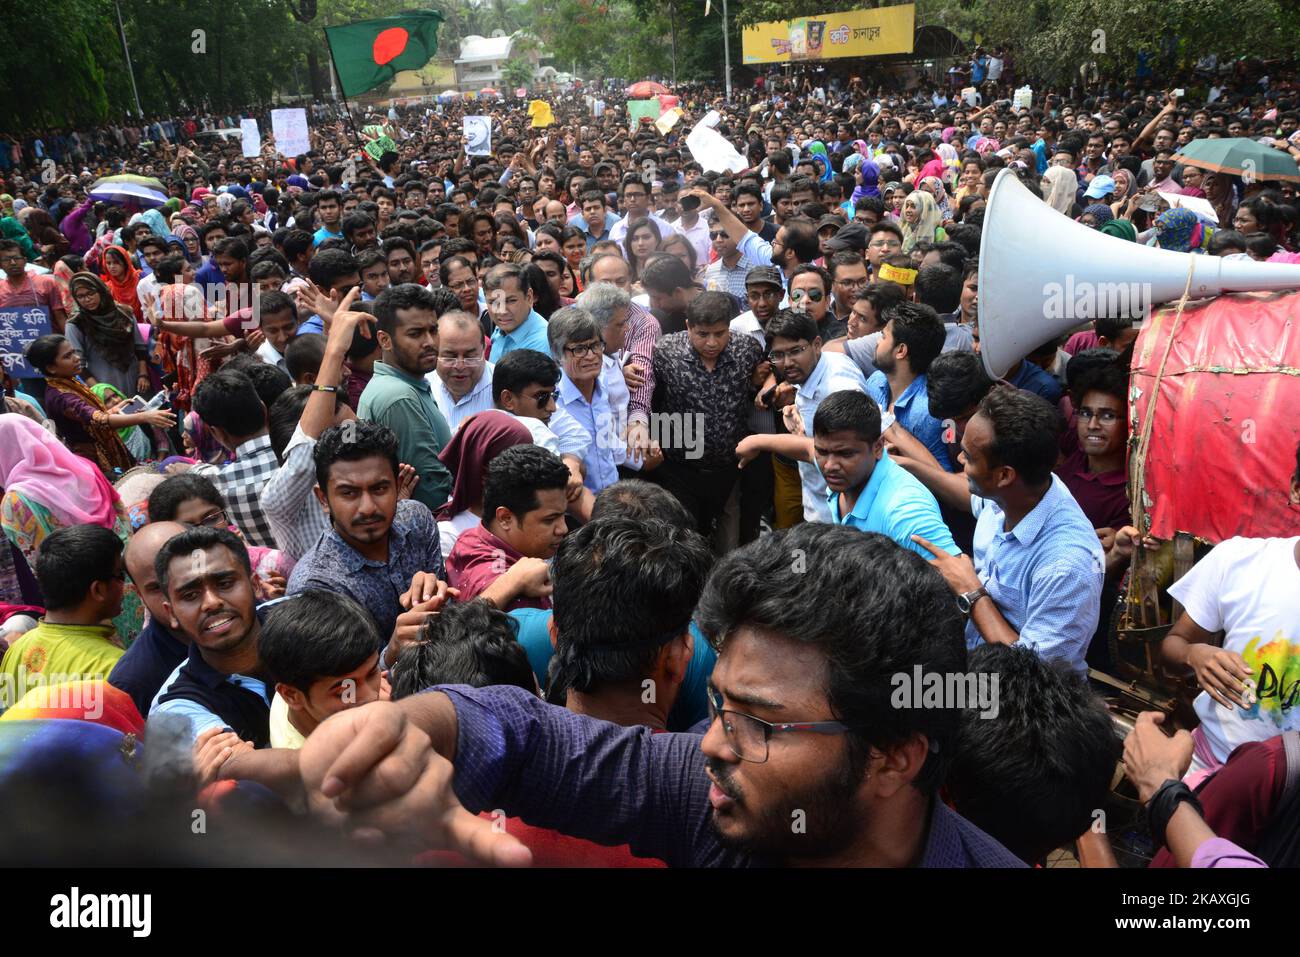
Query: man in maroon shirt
[1095, 469]
[504, 559]
[18, 287]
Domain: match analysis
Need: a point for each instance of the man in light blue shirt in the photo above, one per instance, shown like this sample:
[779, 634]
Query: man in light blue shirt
[510, 306]
[865, 488]
[795, 351]
[1038, 566]
[912, 338]
[576, 344]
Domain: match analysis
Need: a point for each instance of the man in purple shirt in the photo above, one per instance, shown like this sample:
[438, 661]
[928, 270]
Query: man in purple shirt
[807, 760]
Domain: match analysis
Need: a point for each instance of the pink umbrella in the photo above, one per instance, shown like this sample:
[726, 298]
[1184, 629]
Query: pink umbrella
[645, 89]
[487, 91]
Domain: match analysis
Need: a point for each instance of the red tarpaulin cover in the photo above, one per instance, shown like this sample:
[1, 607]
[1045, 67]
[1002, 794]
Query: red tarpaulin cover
[1223, 446]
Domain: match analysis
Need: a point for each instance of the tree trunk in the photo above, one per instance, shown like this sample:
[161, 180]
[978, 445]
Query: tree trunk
[315, 73]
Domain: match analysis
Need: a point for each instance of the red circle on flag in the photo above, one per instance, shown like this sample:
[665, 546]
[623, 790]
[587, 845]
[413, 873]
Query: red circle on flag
[389, 45]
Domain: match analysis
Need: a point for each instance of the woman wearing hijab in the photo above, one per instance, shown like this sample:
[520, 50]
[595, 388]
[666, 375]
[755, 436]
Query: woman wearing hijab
[122, 278]
[189, 237]
[47, 487]
[867, 176]
[921, 220]
[1121, 229]
[1060, 185]
[1096, 216]
[50, 244]
[1125, 186]
[10, 228]
[934, 186]
[477, 442]
[107, 336]
[1181, 231]
[87, 426]
[1222, 194]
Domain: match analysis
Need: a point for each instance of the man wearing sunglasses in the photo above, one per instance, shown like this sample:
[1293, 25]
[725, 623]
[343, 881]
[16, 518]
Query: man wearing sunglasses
[727, 272]
[810, 293]
[806, 760]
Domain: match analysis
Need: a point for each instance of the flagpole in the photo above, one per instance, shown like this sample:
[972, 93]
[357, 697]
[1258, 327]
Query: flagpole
[126, 51]
[347, 107]
[726, 49]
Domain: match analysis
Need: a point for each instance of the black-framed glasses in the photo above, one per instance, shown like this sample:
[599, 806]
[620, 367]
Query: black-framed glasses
[545, 398]
[779, 357]
[814, 295]
[748, 736]
[717, 235]
[584, 350]
[1105, 416]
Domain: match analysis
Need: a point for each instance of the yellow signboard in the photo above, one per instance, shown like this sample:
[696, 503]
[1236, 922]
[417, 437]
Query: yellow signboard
[847, 34]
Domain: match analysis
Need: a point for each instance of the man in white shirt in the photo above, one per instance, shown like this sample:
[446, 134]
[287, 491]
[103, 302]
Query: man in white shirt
[153, 249]
[462, 380]
[795, 351]
[636, 200]
[1247, 589]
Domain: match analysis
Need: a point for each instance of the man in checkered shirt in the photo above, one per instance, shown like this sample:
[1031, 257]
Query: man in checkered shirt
[229, 406]
[727, 272]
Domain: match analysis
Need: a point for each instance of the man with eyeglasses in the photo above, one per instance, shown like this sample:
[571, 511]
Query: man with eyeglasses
[849, 277]
[885, 240]
[806, 761]
[727, 272]
[810, 292]
[19, 288]
[636, 203]
[524, 384]
[462, 381]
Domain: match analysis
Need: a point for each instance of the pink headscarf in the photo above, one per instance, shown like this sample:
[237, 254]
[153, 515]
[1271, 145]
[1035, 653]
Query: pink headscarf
[36, 464]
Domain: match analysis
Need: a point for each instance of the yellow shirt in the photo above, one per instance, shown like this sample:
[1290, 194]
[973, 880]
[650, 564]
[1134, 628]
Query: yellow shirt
[60, 653]
[283, 734]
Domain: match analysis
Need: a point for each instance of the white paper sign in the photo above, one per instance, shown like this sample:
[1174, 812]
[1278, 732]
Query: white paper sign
[1023, 98]
[712, 151]
[478, 135]
[290, 130]
[252, 138]
[1200, 206]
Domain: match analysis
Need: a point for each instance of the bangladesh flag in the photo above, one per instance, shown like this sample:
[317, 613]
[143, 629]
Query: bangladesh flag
[369, 53]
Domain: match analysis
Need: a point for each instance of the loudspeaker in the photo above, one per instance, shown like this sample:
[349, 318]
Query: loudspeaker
[1042, 274]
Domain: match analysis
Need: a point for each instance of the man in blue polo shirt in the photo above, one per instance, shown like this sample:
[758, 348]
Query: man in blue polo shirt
[865, 489]
[510, 306]
[912, 338]
[1038, 567]
[595, 213]
[207, 588]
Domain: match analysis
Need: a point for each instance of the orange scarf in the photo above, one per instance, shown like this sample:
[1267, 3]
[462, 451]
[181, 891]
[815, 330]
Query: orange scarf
[124, 289]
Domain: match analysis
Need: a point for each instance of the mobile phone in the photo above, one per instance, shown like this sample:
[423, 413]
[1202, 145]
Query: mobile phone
[1177, 94]
[767, 397]
[689, 203]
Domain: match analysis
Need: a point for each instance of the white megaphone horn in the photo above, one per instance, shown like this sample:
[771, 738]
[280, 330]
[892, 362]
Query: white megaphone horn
[1042, 274]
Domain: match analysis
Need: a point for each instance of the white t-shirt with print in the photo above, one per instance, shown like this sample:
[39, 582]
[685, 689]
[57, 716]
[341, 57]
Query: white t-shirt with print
[1249, 588]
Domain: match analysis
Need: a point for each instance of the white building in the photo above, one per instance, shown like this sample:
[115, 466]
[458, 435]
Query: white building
[481, 59]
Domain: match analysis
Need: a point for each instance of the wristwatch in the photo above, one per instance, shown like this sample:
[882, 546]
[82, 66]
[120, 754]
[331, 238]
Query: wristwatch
[966, 602]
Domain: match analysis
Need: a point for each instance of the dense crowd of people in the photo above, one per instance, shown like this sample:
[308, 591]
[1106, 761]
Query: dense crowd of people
[667, 480]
